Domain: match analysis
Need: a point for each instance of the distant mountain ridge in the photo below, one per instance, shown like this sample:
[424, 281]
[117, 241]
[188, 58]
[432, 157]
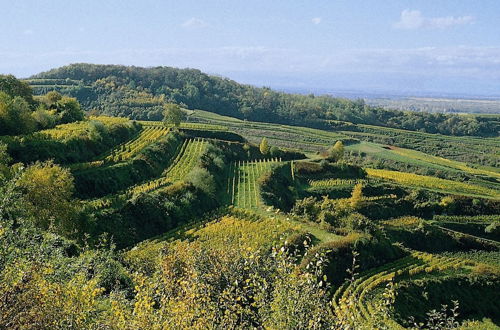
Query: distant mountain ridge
[140, 93]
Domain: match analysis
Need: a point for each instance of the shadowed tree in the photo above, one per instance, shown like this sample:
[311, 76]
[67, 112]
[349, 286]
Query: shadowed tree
[173, 114]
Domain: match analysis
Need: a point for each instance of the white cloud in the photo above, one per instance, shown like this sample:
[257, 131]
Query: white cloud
[194, 23]
[316, 20]
[413, 19]
[458, 65]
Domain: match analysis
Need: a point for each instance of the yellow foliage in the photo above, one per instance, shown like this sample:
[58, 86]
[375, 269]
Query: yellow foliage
[48, 188]
[432, 183]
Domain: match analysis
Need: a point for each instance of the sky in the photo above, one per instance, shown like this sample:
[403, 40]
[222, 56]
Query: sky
[415, 47]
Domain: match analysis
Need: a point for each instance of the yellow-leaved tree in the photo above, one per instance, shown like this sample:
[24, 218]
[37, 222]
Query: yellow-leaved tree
[264, 146]
[336, 153]
[48, 189]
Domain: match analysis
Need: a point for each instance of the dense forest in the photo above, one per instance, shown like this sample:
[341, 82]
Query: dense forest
[140, 93]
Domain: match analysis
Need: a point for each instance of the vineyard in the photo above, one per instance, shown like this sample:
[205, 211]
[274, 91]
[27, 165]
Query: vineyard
[432, 183]
[242, 183]
[187, 157]
[80, 128]
[294, 137]
[355, 298]
[326, 183]
[127, 150]
[413, 154]
[223, 222]
[484, 219]
[67, 131]
[148, 135]
[188, 125]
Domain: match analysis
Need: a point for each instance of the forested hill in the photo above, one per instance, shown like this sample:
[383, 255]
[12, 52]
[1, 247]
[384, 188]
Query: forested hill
[140, 93]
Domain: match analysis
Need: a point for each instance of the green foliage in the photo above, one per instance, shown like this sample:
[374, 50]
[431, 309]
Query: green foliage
[423, 300]
[203, 180]
[264, 146]
[336, 152]
[48, 189]
[21, 114]
[277, 188]
[173, 114]
[16, 88]
[15, 115]
[229, 275]
[69, 110]
[71, 143]
[105, 86]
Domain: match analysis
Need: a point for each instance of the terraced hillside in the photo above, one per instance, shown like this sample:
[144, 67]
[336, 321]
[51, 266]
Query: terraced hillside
[242, 183]
[186, 159]
[213, 229]
[431, 183]
[308, 140]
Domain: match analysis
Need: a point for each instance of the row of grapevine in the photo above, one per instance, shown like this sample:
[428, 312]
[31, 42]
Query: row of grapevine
[242, 183]
[325, 183]
[443, 162]
[432, 182]
[198, 126]
[129, 149]
[481, 219]
[353, 296]
[187, 158]
[67, 131]
[79, 128]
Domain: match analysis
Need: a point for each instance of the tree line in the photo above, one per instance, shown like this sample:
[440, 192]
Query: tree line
[140, 92]
[21, 113]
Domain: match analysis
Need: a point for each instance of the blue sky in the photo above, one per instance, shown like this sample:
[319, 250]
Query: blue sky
[404, 46]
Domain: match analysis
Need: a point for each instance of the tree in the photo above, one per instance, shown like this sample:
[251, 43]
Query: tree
[275, 152]
[264, 146]
[173, 114]
[52, 97]
[48, 188]
[15, 115]
[4, 160]
[15, 87]
[336, 152]
[69, 109]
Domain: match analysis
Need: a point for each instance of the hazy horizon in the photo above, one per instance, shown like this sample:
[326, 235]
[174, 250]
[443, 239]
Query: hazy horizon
[401, 47]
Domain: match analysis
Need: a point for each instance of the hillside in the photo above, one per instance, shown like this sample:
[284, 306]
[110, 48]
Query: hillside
[225, 222]
[139, 93]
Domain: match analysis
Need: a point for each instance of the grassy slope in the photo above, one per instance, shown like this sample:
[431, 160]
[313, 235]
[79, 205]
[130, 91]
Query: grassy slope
[305, 139]
[418, 158]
